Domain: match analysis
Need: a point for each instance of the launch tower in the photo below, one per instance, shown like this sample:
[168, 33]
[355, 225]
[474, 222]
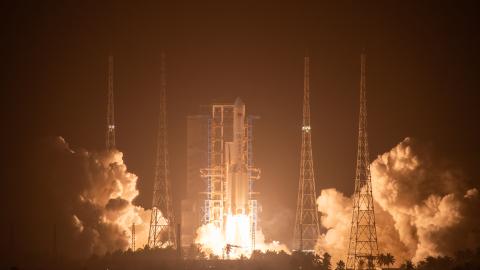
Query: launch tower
[230, 174]
[362, 247]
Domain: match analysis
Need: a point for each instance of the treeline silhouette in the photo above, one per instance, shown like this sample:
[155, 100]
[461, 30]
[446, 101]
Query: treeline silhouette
[194, 259]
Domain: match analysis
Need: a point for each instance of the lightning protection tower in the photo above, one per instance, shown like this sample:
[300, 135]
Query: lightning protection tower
[306, 222]
[110, 134]
[162, 221]
[133, 237]
[362, 247]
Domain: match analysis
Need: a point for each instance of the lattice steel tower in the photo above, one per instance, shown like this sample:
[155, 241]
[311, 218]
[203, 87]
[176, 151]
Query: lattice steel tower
[162, 221]
[110, 134]
[132, 244]
[363, 247]
[306, 222]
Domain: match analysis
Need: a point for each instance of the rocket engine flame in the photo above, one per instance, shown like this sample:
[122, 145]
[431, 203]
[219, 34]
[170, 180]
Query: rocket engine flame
[235, 241]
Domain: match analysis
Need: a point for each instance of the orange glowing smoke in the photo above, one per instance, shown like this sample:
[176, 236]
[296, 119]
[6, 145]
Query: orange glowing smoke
[113, 189]
[422, 208]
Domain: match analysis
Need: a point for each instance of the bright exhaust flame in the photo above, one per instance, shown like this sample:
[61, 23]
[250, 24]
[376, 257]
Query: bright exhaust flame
[238, 231]
[235, 240]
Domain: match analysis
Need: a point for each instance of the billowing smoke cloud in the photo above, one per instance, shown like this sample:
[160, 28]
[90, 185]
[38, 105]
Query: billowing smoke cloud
[87, 196]
[423, 207]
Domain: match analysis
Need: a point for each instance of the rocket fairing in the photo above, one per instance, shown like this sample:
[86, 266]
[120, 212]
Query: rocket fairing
[236, 164]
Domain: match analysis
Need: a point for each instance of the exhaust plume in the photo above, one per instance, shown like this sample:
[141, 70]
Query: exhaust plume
[88, 197]
[423, 207]
[213, 241]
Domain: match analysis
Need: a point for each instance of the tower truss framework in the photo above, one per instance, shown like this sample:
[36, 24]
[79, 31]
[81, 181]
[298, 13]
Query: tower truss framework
[162, 220]
[363, 247]
[110, 132]
[132, 244]
[306, 221]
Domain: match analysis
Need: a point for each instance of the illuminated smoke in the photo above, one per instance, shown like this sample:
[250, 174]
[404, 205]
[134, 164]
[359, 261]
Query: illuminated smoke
[90, 195]
[422, 206]
[336, 218]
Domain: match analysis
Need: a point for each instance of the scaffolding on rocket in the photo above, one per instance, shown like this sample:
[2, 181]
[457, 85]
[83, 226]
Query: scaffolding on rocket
[216, 205]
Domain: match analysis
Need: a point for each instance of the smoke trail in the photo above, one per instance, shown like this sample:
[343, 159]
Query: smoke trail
[89, 197]
[423, 207]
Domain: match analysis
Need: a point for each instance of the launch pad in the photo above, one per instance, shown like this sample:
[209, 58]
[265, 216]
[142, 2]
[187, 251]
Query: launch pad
[228, 201]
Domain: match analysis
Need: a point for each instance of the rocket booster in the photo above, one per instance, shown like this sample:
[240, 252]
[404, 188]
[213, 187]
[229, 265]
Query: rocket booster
[236, 163]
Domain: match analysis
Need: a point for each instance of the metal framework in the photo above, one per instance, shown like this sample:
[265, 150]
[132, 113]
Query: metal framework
[220, 132]
[110, 133]
[162, 221]
[363, 247]
[215, 173]
[306, 222]
[133, 237]
[253, 175]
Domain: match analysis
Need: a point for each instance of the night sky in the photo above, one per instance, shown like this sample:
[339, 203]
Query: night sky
[422, 82]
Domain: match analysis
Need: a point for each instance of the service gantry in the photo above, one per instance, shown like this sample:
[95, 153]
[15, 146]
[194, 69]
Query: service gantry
[230, 175]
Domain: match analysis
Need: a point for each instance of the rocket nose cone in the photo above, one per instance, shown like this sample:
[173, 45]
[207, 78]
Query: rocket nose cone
[239, 102]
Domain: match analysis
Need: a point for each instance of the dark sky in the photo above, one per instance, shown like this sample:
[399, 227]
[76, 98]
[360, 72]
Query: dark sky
[422, 82]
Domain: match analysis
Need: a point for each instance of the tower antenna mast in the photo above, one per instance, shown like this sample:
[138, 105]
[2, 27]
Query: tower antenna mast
[133, 237]
[362, 247]
[162, 221]
[110, 136]
[306, 222]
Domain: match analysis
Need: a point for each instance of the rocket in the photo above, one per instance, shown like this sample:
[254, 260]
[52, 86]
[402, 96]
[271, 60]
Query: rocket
[236, 163]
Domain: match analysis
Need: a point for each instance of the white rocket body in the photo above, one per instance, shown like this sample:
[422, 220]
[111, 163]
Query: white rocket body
[236, 163]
